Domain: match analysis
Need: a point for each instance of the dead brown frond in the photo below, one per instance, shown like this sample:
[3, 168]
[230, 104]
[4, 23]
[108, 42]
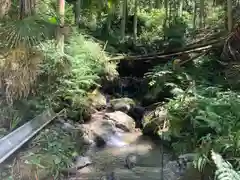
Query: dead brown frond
[18, 72]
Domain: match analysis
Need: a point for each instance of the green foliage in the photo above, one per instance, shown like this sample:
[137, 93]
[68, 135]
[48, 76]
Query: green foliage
[224, 170]
[201, 117]
[150, 29]
[164, 78]
[155, 31]
[203, 113]
[48, 9]
[153, 21]
[207, 117]
[175, 32]
[73, 74]
[30, 30]
[165, 81]
[53, 150]
[10, 118]
[217, 16]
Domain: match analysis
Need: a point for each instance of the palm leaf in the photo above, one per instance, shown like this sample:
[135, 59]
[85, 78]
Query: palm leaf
[29, 31]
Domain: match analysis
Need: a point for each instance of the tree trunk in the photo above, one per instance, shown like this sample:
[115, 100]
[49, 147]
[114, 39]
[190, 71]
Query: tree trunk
[158, 4]
[123, 21]
[229, 15]
[194, 14]
[110, 17]
[201, 14]
[166, 13]
[135, 20]
[27, 8]
[180, 8]
[60, 35]
[77, 11]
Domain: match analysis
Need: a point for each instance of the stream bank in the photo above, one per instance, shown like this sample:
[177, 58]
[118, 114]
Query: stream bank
[112, 137]
[116, 125]
[115, 131]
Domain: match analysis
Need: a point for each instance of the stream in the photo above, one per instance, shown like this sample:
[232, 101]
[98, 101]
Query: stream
[117, 149]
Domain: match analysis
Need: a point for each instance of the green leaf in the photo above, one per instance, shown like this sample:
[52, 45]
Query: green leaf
[57, 160]
[53, 20]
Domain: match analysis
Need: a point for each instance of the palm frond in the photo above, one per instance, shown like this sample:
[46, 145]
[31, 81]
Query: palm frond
[29, 31]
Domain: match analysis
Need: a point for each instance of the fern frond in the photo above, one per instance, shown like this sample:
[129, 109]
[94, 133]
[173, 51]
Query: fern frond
[219, 162]
[226, 174]
[224, 170]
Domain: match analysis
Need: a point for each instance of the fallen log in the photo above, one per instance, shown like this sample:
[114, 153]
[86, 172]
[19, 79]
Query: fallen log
[192, 49]
[187, 50]
[197, 50]
[212, 39]
[138, 65]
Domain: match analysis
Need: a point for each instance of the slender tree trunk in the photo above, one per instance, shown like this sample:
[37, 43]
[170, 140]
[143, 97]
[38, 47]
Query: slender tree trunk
[166, 13]
[158, 4]
[77, 11]
[170, 12]
[123, 21]
[194, 14]
[60, 35]
[237, 3]
[214, 3]
[110, 17]
[201, 15]
[135, 20]
[180, 12]
[229, 15]
[150, 5]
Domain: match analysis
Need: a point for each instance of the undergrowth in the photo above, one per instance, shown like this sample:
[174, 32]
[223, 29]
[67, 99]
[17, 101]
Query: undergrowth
[60, 81]
[203, 111]
[64, 81]
[48, 154]
[71, 77]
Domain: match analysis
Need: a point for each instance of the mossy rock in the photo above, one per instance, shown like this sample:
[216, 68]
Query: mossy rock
[97, 99]
[123, 100]
[122, 104]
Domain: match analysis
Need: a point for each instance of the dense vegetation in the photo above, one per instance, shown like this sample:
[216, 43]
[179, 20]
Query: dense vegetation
[56, 53]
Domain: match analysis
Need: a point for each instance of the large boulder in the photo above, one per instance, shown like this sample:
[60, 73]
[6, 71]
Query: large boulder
[129, 107]
[105, 127]
[121, 120]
